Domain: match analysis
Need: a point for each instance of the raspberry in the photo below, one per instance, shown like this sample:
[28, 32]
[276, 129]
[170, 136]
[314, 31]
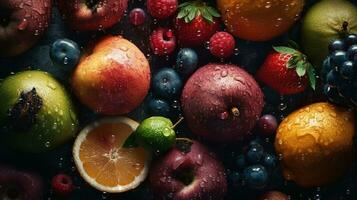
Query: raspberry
[222, 44]
[62, 184]
[162, 41]
[162, 9]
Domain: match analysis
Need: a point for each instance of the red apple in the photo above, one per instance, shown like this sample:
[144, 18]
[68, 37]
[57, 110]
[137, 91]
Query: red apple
[114, 78]
[188, 171]
[221, 102]
[22, 23]
[90, 15]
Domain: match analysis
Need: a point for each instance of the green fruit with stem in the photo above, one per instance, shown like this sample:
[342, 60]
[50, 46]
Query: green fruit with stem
[326, 21]
[36, 113]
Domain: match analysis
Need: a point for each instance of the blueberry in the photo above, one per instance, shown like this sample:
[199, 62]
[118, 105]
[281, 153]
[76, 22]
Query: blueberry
[332, 94]
[346, 70]
[256, 176]
[333, 78]
[234, 178]
[336, 46]
[338, 58]
[167, 83]
[352, 52]
[240, 161]
[351, 39]
[255, 153]
[158, 107]
[269, 161]
[65, 53]
[186, 61]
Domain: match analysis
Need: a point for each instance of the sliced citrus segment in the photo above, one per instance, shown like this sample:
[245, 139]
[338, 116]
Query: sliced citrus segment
[103, 162]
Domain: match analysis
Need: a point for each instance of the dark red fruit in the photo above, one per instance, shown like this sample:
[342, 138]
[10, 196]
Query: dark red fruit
[221, 102]
[137, 16]
[62, 184]
[188, 171]
[267, 124]
[162, 9]
[92, 15]
[222, 44]
[162, 41]
[22, 24]
[16, 184]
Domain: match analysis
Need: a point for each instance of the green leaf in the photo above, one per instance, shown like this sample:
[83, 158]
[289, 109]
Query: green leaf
[293, 44]
[292, 62]
[192, 14]
[131, 141]
[285, 50]
[301, 69]
[213, 12]
[184, 4]
[183, 13]
[311, 75]
[206, 15]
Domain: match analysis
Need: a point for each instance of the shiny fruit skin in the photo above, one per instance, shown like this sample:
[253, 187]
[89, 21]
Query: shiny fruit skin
[25, 29]
[56, 122]
[209, 96]
[260, 20]
[316, 144]
[114, 79]
[322, 24]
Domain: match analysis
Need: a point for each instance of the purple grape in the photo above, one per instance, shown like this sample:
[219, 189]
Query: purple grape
[267, 124]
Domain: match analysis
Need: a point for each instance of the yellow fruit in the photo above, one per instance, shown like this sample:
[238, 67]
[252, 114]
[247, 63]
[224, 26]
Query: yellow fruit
[316, 144]
[103, 162]
[259, 20]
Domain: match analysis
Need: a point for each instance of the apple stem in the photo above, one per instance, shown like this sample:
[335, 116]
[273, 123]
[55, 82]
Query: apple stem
[177, 123]
[235, 111]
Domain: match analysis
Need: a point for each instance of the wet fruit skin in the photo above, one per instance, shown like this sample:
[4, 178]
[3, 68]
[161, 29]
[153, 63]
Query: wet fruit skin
[260, 20]
[273, 195]
[117, 72]
[322, 24]
[21, 24]
[91, 15]
[316, 144]
[17, 184]
[55, 122]
[221, 102]
[188, 173]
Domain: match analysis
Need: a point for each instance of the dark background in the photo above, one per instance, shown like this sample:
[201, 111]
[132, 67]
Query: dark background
[250, 57]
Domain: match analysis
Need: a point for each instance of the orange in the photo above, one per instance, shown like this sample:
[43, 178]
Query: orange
[316, 144]
[259, 20]
[103, 162]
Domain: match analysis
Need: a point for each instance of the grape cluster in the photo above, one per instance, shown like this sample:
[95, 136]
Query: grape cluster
[340, 71]
[253, 168]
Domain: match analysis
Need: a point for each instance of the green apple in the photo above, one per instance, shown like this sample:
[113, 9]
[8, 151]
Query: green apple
[36, 113]
[324, 22]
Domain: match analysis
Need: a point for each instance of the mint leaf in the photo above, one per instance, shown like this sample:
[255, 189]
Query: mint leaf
[285, 50]
[301, 69]
[213, 12]
[311, 75]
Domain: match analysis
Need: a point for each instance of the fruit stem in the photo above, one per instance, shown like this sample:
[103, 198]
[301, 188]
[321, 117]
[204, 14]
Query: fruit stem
[344, 31]
[235, 111]
[177, 123]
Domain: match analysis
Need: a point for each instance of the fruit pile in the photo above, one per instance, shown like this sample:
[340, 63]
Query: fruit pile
[178, 99]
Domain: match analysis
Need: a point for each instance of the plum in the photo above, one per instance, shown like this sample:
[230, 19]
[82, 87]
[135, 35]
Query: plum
[221, 102]
[188, 171]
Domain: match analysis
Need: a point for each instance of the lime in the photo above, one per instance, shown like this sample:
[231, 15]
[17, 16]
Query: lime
[156, 133]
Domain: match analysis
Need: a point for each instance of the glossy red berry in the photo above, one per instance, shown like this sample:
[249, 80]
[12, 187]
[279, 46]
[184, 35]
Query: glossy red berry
[62, 184]
[222, 44]
[162, 41]
[162, 9]
[137, 16]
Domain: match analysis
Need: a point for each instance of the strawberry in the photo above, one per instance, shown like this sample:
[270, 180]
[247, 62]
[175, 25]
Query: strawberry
[222, 44]
[162, 41]
[162, 9]
[196, 23]
[62, 184]
[287, 71]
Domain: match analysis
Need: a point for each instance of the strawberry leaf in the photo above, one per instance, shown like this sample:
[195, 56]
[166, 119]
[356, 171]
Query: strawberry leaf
[293, 44]
[285, 50]
[311, 75]
[192, 14]
[213, 12]
[206, 15]
[292, 62]
[184, 4]
[183, 13]
[301, 69]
